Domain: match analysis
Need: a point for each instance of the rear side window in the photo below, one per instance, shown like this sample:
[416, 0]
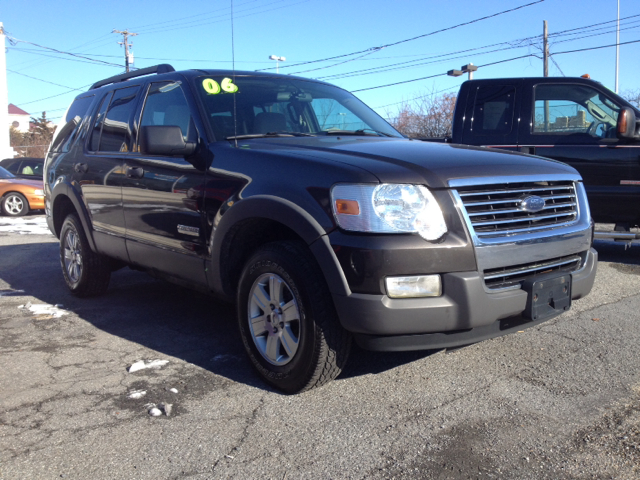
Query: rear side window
[113, 129]
[69, 126]
[31, 167]
[493, 110]
[12, 166]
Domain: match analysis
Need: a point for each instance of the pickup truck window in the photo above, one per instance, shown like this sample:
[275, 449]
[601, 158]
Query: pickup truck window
[573, 109]
[265, 105]
[493, 110]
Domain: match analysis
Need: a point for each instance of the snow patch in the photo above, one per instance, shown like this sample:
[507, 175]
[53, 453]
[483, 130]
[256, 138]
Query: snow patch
[136, 394]
[25, 225]
[157, 410]
[11, 293]
[153, 364]
[223, 358]
[52, 311]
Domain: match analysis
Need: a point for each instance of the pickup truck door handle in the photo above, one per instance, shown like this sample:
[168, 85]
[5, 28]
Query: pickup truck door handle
[80, 167]
[135, 172]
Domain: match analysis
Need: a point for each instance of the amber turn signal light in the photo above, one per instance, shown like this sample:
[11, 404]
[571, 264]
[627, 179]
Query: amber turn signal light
[347, 207]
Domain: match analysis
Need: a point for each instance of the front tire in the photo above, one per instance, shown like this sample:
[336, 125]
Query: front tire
[15, 204]
[287, 320]
[85, 272]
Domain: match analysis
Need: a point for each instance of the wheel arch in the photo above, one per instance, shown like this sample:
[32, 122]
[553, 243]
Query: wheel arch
[65, 200]
[259, 220]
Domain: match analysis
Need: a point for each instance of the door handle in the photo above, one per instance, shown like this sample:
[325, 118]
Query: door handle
[81, 167]
[135, 172]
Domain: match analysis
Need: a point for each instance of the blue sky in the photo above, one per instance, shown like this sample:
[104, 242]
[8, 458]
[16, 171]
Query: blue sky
[197, 34]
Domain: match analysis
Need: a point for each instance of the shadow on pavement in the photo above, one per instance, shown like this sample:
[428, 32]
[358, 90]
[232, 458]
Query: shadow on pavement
[161, 316]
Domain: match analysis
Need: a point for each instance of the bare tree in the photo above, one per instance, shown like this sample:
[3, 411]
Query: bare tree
[430, 115]
[632, 96]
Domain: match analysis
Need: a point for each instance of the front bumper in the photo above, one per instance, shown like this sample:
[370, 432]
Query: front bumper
[466, 313]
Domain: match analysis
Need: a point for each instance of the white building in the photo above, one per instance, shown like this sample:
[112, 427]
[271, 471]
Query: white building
[18, 118]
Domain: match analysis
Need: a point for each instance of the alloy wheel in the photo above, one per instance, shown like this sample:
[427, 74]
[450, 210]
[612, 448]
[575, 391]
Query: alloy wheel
[274, 319]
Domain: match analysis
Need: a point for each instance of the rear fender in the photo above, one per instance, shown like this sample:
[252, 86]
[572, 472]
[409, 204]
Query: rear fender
[61, 190]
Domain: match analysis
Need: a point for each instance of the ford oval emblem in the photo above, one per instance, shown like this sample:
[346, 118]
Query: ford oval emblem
[532, 204]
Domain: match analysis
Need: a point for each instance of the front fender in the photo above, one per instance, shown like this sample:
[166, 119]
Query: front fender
[288, 214]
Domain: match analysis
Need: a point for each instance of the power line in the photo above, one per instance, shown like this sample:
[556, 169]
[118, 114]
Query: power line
[58, 95]
[514, 44]
[64, 53]
[496, 63]
[40, 80]
[198, 23]
[373, 49]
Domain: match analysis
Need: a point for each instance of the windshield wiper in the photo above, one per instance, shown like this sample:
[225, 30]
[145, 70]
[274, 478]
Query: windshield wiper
[361, 131]
[269, 135]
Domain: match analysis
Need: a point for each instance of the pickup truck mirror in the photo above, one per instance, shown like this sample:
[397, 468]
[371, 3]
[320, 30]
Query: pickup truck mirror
[626, 123]
[164, 140]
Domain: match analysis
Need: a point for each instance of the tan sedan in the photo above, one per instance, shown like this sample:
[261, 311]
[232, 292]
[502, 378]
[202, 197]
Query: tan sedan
[18, 195]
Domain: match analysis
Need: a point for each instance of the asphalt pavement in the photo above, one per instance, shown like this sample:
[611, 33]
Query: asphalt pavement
[561, 400]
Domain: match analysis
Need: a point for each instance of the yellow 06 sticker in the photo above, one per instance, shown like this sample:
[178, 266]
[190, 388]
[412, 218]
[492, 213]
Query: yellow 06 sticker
[228, 85]
[212, 87]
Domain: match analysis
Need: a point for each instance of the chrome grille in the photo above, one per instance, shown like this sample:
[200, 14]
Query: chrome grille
[513, 276]
[496, 211]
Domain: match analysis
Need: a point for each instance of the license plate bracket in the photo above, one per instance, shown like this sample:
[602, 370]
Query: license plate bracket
[548, 296]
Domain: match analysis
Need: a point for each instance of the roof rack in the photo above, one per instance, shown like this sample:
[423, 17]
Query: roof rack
[162, 68]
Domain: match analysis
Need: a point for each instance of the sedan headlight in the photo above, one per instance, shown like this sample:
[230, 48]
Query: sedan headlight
[38, 192]
[388, 208]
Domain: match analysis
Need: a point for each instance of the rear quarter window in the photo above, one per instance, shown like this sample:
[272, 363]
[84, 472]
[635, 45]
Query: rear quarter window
[69, 127]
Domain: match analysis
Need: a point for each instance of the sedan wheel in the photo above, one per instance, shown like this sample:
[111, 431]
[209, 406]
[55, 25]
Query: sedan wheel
[15, 205]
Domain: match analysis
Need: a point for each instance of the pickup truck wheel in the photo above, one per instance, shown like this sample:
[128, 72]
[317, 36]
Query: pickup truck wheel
[86, 273]
[15, 205]
[287, 320]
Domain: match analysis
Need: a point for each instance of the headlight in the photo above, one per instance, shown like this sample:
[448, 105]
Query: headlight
[388, 208]
[39, 192]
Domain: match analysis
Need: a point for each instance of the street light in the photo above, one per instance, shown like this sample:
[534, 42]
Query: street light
[277, 59]
[469, 68]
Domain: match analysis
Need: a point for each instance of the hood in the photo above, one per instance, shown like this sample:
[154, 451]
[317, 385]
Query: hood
[398, 160]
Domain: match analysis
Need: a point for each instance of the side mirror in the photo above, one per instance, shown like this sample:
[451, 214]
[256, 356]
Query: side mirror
[164, 140]
[626, 127]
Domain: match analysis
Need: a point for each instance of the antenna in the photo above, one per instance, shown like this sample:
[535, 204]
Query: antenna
[233, 67]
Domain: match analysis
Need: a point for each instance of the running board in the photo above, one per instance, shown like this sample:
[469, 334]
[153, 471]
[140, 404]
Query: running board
[617, 236]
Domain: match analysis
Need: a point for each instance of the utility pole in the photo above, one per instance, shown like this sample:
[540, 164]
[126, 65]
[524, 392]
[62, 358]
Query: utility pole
[126, 34]
[545, 46]
[618, 47]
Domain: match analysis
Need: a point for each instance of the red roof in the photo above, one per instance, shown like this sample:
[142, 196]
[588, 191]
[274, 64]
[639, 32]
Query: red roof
[13, 110]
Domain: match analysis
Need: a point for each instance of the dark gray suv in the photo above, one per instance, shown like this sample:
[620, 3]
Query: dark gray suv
[323, 224]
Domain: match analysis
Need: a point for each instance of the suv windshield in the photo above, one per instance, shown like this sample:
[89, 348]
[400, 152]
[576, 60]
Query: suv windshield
[266, 106]
[5, 174]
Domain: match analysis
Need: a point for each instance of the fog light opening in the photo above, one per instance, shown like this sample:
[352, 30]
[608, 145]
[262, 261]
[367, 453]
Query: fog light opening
[414, 286]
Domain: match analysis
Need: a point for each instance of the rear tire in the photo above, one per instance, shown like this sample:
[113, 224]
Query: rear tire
[287, 320]
[15, 205]
[85, 272]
